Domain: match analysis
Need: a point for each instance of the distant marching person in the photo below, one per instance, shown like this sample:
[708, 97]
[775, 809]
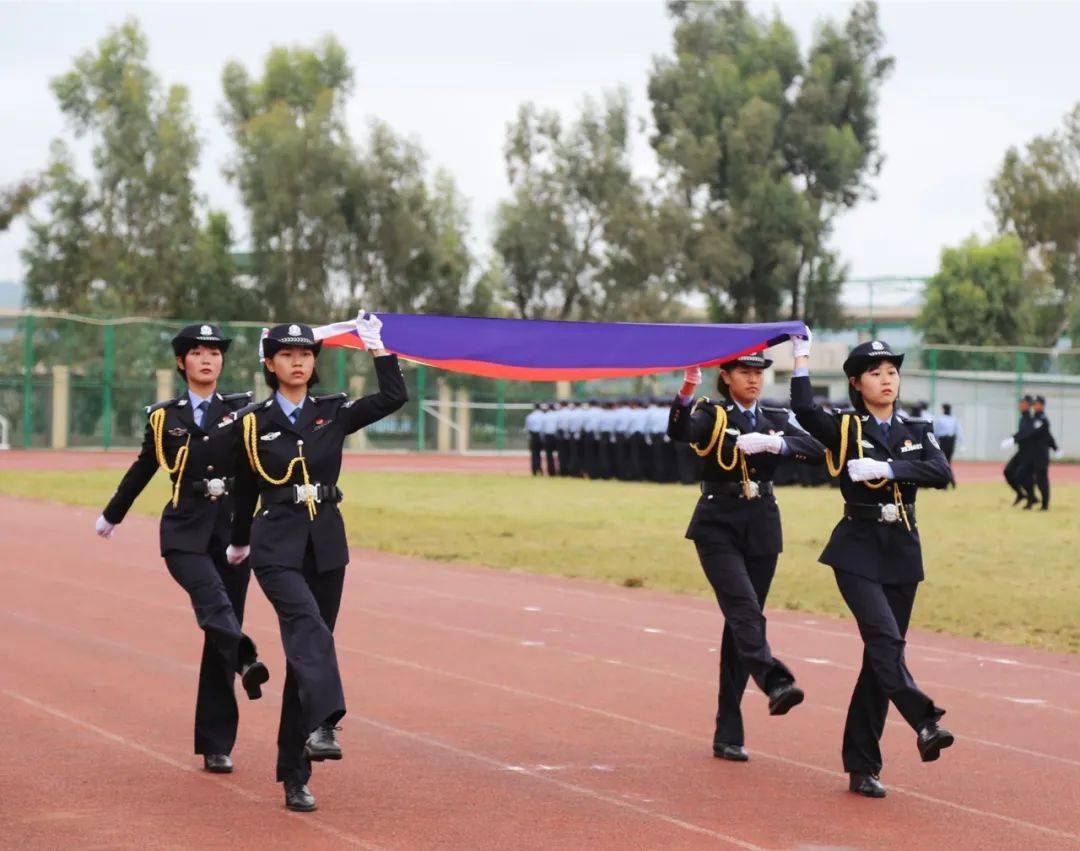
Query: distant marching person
[881, 458]
[182, 438]
[1019, 473]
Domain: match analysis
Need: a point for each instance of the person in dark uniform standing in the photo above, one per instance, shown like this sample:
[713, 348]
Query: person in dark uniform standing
[949, 433]
[1042, 443]
[1018, 471]
[881, 458]
[533, 426]
[183, 439]
[736, 529]
[293, 444]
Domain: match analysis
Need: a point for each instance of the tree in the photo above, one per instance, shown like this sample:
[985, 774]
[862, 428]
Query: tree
[1036, 196]
[573, 199]
[292, 156]
[764, 149]
[406, 235]
[14, 200]
[122, 241]
[982, 295]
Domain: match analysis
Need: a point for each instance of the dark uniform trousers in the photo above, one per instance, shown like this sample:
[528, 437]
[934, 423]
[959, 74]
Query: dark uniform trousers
[550, 445]
[217, 591]
[306, 602]
[536, 445]
[882, 612]
[741, 585]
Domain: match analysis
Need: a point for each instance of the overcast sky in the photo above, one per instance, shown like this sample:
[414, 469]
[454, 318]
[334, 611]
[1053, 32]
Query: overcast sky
[971, 79]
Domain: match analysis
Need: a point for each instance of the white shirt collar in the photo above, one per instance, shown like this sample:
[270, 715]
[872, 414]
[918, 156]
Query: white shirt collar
[197, 400]
[287, 406]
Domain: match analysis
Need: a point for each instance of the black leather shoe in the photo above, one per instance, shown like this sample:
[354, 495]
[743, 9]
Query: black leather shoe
[217, 763]
[866, 784]
[298, 798]
[253, 675]
[322, 744]
[1030, 504]
[785, 697]
[1018, 500]
[932, 740]
[732, 753]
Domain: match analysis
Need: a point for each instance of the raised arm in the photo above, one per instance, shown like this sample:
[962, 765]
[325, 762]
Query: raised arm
[818, 423]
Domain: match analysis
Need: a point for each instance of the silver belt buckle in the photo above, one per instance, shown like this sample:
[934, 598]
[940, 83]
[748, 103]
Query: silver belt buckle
[215, 488]
[305, 492]
[751, 490]
[890, 513]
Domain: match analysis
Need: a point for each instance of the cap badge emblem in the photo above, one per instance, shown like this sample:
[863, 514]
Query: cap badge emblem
[294, 330]
[206, 331]
[877, 346]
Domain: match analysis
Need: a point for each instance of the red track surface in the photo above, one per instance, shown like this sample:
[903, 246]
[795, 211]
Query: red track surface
[492, 710]
[430, 462]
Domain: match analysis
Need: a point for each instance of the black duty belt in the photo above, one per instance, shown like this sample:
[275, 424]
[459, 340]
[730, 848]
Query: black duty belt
[212, 489]
[886, 512]
[297, 494]
[736, 489]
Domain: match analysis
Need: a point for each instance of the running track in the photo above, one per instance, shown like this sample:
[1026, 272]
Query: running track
[492, 710]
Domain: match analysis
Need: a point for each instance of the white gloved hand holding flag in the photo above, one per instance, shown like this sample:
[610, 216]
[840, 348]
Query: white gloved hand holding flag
[369, 328]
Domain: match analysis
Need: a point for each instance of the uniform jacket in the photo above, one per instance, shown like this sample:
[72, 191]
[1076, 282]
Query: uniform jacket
[279, 533]
[749, 526]
[212, 454]
[883, 552]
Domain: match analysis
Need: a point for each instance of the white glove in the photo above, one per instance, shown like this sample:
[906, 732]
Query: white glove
[104, 528]
[751, 444]
[369, 327]
[1059, 453]
[865, 469]
[235, 555]
[691, 377]
[800, 346]
[1008, 443]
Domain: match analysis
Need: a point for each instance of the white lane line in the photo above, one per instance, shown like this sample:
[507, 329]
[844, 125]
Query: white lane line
[700, 640]
[652, 630]
[549, 585]
[504, 639]
[386, 728]
[660, 728]
[561, 784]
[637, 722]
[306, 820]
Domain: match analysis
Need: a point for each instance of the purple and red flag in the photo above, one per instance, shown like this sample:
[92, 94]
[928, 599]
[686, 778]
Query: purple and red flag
[543, 350]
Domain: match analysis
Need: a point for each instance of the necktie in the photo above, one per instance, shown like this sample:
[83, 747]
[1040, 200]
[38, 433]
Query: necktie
[295, 415]
[200, 413]
[885, 430]
[753, 420]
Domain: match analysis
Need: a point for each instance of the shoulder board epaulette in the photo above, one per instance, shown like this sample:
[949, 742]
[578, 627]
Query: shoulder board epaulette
[156, 405]
[240, 413]
[775, 409]
[842, 411]
[329, 397]
[237, 397]
[907, 418]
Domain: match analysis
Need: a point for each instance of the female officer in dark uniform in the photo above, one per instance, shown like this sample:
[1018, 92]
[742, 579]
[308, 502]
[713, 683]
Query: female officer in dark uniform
[183, 439]
[881, 457]
[736, 529]
[293, 443]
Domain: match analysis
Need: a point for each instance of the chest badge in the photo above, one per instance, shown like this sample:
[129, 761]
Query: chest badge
[270, 435]
[178, 432]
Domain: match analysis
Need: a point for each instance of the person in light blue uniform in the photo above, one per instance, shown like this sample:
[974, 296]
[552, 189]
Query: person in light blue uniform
[949, 434]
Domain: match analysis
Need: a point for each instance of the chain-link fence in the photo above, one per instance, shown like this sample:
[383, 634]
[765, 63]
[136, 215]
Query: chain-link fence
[76, 382]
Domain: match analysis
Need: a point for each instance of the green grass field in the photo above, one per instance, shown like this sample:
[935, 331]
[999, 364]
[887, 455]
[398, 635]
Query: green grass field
[994, 572]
